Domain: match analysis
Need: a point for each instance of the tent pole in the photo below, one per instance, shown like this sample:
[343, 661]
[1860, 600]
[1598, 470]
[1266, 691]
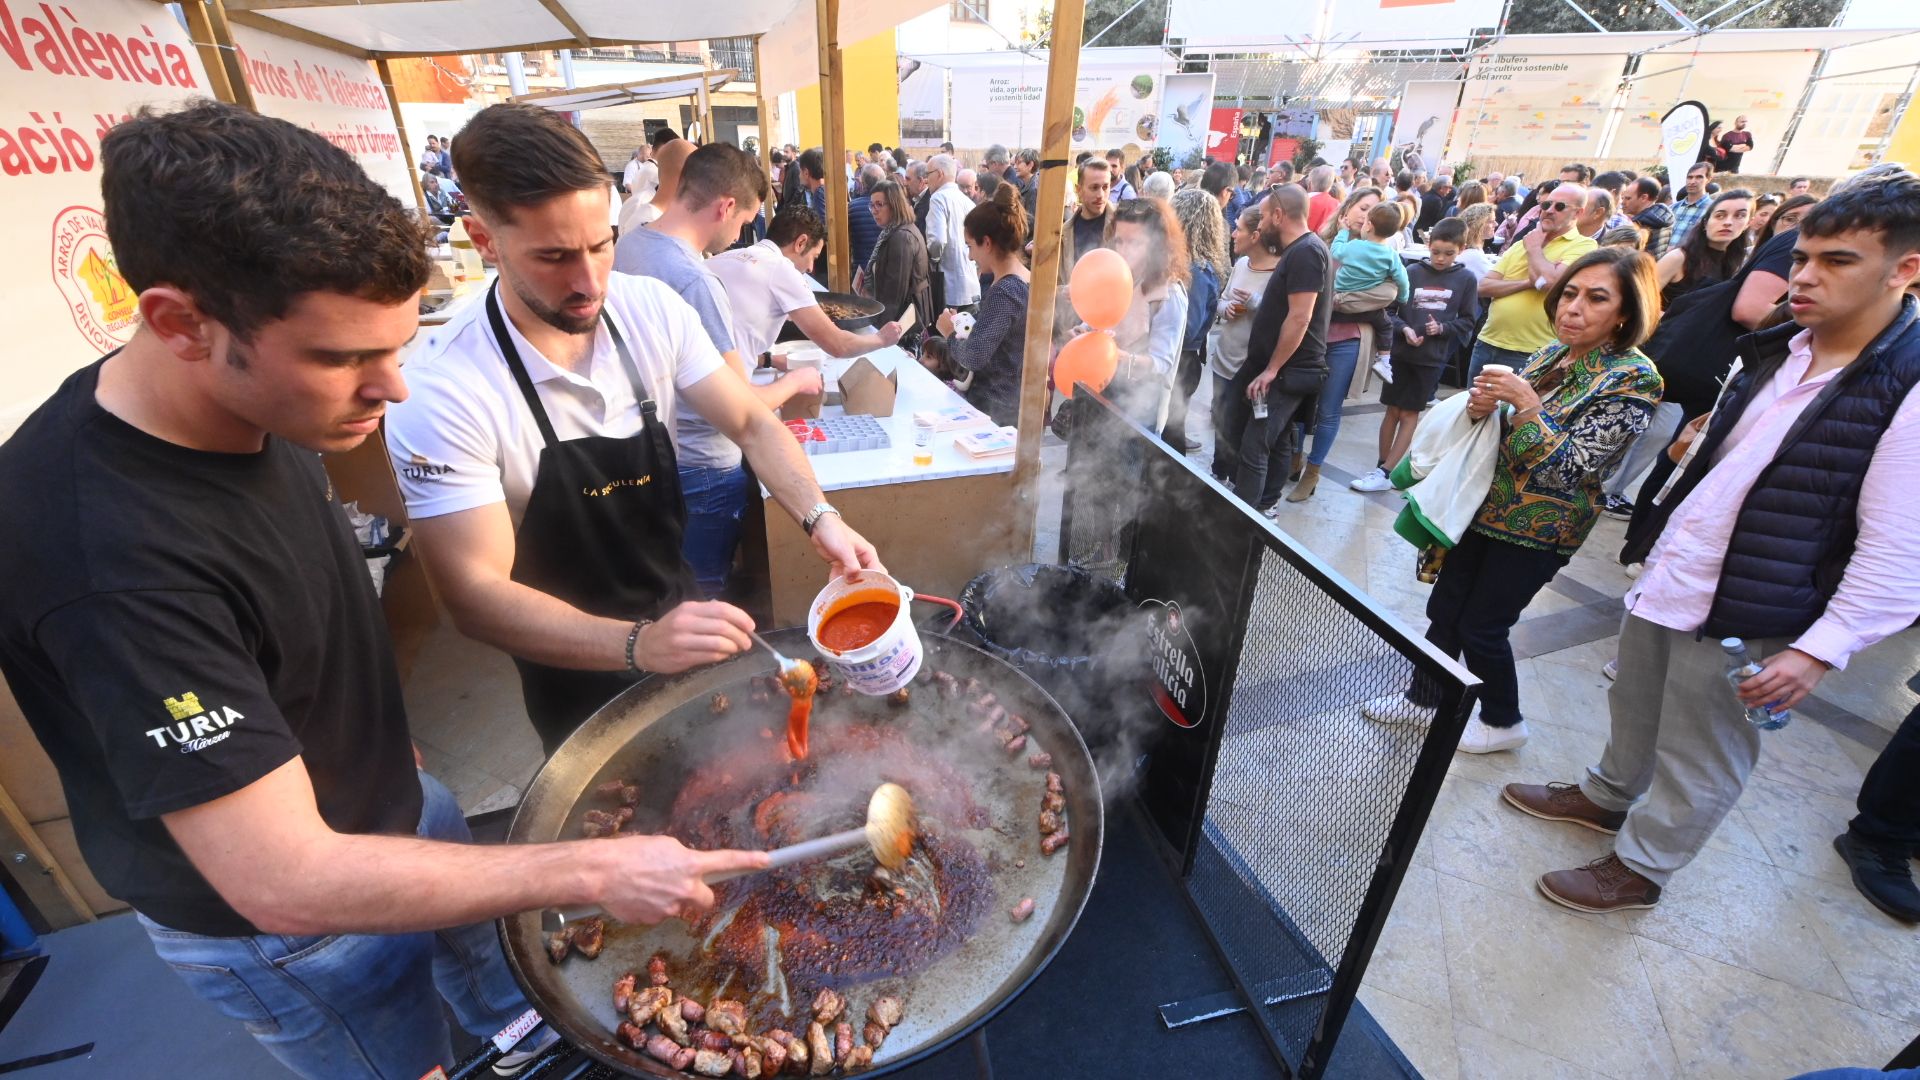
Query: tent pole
[400, 127]
[220, 38]
[833, 133]
[705, 107]
[1063, 72]
[766, 124]
[200, 28]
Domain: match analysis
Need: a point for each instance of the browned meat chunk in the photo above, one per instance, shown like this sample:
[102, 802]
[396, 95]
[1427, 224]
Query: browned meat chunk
[949, 686]
[1053, 784]
[719, 704]
[875, 1034]
[712, 1040]
[842, 1042]
[859, 1059]
[598, 823]
[975, 688]
[1021, 911]
[799, 1058]
[886, 1011]
[713, 1062]
[1019, 724]
[820, 1048]
[685, 1061]
[1049, 822]
[558, 943]
[664, 1049]
[1015, 745]
[984, 705]
[779, 1036]
[900, 698]
[632, 1034]
[1053, 842]
[623, 990]
[1053, 801]
[619, 791]
[647, 1002]
[1042, 760]
[673, 1025]
[657, 971]
[590, 936]
[693, 1011]
[827, 1006]
[774, 1055]
[727, 1017]
[748, 1062]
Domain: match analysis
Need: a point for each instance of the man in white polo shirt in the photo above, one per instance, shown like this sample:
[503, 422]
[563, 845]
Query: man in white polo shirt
[766, 285]
[534, 452]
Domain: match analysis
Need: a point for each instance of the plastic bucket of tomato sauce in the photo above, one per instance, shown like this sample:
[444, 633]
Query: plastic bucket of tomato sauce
[862, 625]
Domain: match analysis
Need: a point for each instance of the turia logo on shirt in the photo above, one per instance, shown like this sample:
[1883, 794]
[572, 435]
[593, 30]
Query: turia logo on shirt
[420, 470]
[196, 727]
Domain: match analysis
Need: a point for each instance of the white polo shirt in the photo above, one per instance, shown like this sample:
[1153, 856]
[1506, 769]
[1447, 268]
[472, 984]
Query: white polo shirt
[465, 437]
[763, 287]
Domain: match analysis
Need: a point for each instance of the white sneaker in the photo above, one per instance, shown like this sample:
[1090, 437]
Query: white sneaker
[1395, 709]
[1383, 367]
[1633, 569]
[1272, 513]
[1482, 739]
[1611, 669]
[1375, 480]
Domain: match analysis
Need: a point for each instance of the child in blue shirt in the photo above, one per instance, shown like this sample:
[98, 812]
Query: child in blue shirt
[1365, 262]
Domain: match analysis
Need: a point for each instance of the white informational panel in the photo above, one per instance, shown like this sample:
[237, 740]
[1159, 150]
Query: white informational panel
[1762, 86]
[70, 72]
[923, 103]
[1337, 23]
[1425, 117]
[1535, 105]
[1186, 103]
[336, 95]
[1849, 111]
[1000, 97]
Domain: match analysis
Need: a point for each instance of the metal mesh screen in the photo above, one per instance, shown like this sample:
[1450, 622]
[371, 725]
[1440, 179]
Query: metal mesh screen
[1312, 809]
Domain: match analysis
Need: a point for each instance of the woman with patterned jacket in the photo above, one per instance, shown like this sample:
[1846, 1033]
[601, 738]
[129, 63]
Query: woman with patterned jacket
[1574, 409]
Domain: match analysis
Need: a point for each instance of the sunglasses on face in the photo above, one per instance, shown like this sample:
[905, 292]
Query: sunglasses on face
[1560, 205]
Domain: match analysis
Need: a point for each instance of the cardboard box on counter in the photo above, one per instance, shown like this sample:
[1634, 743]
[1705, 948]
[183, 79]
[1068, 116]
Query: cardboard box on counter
[866, 392]
[803, 406]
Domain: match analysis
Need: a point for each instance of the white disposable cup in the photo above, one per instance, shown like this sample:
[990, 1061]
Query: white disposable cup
[1497, 369]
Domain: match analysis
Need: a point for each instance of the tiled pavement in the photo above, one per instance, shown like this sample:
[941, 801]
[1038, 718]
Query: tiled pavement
[1761, 961]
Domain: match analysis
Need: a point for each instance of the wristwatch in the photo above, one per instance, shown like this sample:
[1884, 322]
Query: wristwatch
[814, 514]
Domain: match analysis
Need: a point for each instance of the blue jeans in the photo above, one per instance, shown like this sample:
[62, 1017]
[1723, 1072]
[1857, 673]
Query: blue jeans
[1342, 358]
[716, 498]
[332, 1007]
[1484, 354]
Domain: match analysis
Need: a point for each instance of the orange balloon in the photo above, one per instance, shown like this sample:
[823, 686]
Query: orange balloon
[1101, 288]
[1091, 358]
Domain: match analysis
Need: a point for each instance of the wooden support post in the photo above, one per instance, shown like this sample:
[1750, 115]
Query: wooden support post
[833, 133]
[1063, 72]
[229, 56]
[200, 28]
[703, 104]
[765, 117]
[400, 127]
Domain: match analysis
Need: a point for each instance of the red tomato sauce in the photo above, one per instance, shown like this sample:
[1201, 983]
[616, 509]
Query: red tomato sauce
[859, 623]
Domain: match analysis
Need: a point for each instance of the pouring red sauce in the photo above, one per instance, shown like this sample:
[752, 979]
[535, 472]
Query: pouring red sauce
[859, 623]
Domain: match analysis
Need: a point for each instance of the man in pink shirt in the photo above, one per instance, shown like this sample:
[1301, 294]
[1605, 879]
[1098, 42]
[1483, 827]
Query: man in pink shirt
[1792, 528]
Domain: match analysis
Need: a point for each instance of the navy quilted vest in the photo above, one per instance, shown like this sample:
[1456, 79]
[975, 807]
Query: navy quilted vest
[1795, 532]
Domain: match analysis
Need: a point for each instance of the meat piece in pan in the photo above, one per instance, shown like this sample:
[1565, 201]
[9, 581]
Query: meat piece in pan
[619, 791]
[773, 1055]
[747, 1062]
[597, 823]
[1042, 760]
[799, 1056]
[886, 1011]
[1053, 801]
[647, 1002]
[623, 990]
[900, 698]
[1021, 911]
[632, 1034]
[657, 970]
[875, 1034]
[673, 1025]
[948, 686]
[559, 943]
[1053, 842]
[719, 704]
[1049, 822]
[727, 1017]
[590, 934]
[1015, 745]
[859, 1059]
[842, 1042]
[661, 1048]
[820, 1049]
[713, 1062]
[1054, 786]
[827, 1006]
[693, 1011]
[712, 1040]
[1018, 724]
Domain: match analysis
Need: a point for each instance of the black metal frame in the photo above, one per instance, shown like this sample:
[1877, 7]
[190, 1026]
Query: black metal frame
[1106, 444]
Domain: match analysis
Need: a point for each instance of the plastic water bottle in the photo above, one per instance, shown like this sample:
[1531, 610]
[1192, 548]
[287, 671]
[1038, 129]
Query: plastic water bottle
[1740, 668]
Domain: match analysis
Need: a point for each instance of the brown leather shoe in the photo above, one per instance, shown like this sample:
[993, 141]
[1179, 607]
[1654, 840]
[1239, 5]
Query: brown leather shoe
[1601, 886]
[1563, 802]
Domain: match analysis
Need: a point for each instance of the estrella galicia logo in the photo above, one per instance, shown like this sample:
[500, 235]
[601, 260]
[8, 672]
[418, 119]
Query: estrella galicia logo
[195, 727]
[1178, 684]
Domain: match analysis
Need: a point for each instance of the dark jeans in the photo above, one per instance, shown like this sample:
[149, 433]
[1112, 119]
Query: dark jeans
[1186, 379]
[1889, 799]
[716, 499]
[1259, 469]
[1230, 411]
[1484, 586]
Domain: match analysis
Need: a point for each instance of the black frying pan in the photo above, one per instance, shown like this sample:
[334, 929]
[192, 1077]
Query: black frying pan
[656, 732]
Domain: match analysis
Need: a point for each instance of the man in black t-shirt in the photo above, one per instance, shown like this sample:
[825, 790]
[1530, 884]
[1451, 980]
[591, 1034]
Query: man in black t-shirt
[1286, 349]
[190, 631]
[1737, 144]
[1088, 218]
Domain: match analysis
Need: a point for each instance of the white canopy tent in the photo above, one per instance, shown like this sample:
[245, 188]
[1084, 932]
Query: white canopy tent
[664, 88]
[442, 27]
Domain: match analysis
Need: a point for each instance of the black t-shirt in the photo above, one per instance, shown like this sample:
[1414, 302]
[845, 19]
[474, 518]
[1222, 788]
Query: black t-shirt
[175, 624]
[1736, 144]
[1088, 233]
[1304, 267]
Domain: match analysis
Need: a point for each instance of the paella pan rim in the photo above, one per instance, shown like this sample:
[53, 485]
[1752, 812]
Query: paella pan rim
[657, 697]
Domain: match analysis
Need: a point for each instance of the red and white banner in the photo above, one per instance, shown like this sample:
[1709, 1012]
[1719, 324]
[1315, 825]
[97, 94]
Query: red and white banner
[335, 94]
[67, 74]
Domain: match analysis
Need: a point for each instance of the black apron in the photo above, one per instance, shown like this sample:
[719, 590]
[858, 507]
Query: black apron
[601, 531]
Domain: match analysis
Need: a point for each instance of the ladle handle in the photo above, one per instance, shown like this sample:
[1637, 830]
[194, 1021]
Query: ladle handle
[778, 858]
